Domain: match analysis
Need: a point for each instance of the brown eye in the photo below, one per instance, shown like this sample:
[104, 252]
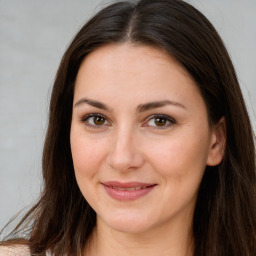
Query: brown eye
[95, 120]
[98, 120]
[160, 121]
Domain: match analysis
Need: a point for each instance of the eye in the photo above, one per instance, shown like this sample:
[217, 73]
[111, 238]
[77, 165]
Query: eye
[160, 121]
[95, 120]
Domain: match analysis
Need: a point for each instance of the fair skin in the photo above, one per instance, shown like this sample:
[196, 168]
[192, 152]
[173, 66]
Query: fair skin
[140, 142]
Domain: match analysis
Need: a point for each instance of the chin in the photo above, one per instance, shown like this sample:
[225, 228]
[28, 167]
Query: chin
[128, 223]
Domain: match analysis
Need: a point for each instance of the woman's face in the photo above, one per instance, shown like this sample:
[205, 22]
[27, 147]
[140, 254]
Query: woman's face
[140, 138]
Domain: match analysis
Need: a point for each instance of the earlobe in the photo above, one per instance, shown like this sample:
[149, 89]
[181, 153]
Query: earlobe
[218, 143]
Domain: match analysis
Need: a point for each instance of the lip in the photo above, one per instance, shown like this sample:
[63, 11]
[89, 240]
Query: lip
[128, 190]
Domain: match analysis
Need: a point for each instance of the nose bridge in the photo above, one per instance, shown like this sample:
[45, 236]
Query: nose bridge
[124, 153]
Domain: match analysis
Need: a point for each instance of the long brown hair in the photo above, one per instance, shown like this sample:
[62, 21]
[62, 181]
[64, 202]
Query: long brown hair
[225, 216]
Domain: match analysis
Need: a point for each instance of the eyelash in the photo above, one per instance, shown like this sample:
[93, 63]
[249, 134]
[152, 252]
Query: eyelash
[85, 120]
[168, 121]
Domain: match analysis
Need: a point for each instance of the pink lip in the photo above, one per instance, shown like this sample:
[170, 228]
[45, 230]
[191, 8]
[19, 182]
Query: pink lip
[127, 191]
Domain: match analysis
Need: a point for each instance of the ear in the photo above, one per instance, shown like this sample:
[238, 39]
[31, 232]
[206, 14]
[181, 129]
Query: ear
[218, 143]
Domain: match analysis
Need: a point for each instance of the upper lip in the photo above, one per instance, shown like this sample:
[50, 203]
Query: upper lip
[132, 184]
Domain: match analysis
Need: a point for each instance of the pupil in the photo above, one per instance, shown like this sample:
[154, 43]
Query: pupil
[98, 120]
[160, 121]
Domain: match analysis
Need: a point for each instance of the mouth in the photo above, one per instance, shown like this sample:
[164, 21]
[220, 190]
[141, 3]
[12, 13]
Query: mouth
[127, 191]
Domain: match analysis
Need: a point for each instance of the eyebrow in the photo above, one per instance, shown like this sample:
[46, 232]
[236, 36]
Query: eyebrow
[93, 103]
[140, 108]
[158, 104]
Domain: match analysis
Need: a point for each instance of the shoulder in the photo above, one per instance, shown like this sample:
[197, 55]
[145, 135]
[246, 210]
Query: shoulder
[15, 250]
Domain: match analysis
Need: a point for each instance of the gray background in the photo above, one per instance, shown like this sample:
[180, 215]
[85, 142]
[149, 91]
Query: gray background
[33, 37]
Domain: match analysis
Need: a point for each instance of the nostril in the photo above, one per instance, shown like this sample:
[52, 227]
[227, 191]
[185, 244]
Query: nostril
[125, 154]
[125, 160]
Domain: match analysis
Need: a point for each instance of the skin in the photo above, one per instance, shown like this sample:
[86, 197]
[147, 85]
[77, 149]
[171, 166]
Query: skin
[128, 143]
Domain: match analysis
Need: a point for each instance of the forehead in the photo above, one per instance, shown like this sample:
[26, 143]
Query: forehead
[134, 72]
[125, 53]
[130, 59]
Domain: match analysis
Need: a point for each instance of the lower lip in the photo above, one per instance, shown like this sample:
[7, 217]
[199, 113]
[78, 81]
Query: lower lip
[126, 195]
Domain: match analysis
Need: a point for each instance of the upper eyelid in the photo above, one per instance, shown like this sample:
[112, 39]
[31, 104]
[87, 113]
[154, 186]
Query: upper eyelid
[87, 116]
[162, 116]
[169, 119]
[93, 115]
[85, 121]
[147, 119]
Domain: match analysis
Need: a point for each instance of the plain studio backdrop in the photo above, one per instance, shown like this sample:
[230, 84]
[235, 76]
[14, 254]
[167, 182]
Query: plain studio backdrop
[33, 37]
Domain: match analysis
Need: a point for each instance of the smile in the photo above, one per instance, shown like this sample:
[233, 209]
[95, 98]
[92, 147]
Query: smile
[127, 191]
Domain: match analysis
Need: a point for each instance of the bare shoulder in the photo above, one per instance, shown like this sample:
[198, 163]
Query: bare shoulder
[15, 250]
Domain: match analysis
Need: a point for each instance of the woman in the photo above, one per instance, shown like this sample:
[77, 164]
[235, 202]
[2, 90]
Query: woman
[149, 147]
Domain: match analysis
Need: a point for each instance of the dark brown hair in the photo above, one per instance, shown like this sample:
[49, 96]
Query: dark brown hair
[225, 214]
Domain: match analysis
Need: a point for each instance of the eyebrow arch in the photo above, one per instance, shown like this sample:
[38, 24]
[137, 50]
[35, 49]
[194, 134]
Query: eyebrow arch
[93, 103]
[140, 108]
[158, 104]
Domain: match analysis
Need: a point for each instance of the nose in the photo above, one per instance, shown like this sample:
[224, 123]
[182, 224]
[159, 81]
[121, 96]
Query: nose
[125, 153]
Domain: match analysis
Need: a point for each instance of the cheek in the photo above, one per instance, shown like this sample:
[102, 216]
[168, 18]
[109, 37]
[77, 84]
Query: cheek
[86, 163]
[87, 155]
[181, 157]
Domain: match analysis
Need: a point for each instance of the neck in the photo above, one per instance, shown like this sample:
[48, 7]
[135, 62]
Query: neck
[163, 240]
